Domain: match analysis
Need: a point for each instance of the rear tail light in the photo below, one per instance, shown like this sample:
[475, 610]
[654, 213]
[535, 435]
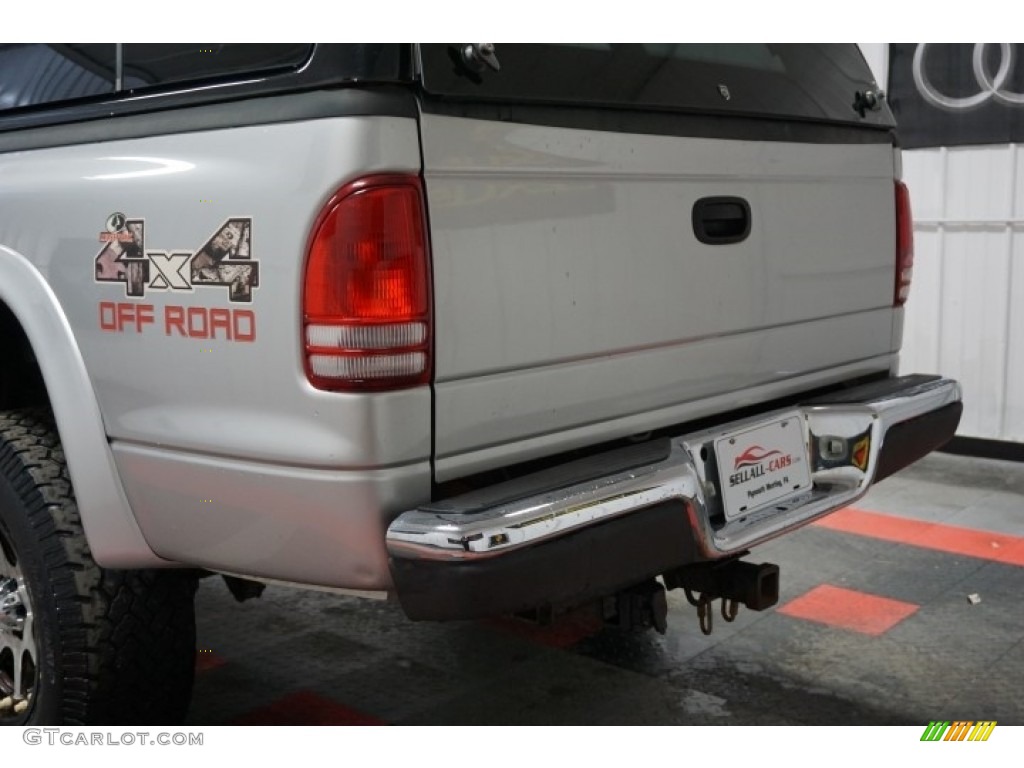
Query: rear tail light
[367, 300]
[904, 245]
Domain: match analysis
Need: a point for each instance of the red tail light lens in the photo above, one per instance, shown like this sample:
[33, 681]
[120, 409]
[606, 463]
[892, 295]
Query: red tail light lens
[367, 295]
[904, 245]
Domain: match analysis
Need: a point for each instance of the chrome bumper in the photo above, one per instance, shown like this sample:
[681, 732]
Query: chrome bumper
[538, 509]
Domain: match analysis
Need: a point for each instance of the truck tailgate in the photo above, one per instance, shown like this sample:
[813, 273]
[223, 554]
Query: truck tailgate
[574, 301]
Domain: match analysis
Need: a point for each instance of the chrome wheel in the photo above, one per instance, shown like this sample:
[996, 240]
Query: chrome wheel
[18, 651]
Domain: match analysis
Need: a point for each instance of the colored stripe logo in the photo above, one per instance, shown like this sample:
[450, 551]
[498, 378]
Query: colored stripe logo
[861, 453]
[753, 456]
[960, 730]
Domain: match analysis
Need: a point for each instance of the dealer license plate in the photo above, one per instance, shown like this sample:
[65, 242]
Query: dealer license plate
[762, 465]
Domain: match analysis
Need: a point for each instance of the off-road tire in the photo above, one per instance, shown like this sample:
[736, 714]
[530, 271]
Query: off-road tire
[115, 647]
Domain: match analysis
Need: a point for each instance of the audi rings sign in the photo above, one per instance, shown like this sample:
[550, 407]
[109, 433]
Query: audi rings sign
[955, 94]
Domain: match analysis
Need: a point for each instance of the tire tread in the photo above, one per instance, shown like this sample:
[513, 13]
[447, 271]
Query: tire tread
[126, 646]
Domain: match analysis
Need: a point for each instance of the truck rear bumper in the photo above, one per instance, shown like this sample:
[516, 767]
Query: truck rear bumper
[594, 526]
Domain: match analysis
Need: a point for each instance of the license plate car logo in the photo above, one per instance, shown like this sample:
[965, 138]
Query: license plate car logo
[762, 465]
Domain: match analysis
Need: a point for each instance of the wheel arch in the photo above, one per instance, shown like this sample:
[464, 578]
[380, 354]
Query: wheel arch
[110, 526]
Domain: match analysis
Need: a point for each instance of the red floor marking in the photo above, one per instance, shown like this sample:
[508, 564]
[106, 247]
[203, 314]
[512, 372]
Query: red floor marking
[845, 608]
[305, 708]
[207, 660]
[997, 547]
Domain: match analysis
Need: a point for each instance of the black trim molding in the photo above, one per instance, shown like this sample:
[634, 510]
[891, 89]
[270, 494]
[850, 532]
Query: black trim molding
[347, 101]
[680, 124]
[911, 440]
[983, 448]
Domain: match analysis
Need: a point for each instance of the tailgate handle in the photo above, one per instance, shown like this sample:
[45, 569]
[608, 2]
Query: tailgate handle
[721, 220]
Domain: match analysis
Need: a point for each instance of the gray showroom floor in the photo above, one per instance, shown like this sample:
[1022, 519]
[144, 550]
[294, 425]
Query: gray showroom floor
[907, 609]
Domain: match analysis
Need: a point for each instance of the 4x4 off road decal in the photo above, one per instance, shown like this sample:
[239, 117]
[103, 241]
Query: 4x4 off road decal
[225, 260]
[121, 260]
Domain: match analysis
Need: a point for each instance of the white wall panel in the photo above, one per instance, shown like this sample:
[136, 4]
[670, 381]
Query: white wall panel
[1018, 192]
[1013, 421]
[968, 205]
[965, 317]
[923, 170]
[921, 338]
[973, 325]
[978, 183]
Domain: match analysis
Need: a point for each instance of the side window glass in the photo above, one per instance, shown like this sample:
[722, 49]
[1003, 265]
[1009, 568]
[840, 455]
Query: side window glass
[157, 64]
[34, 74]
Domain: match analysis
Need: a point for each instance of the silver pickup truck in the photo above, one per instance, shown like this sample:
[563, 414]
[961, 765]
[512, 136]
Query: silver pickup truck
[483, 329]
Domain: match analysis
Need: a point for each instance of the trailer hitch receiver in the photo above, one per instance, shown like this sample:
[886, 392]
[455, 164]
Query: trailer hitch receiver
[733, 581]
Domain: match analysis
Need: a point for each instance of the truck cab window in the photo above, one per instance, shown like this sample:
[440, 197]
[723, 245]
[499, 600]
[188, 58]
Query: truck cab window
[34, 74]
